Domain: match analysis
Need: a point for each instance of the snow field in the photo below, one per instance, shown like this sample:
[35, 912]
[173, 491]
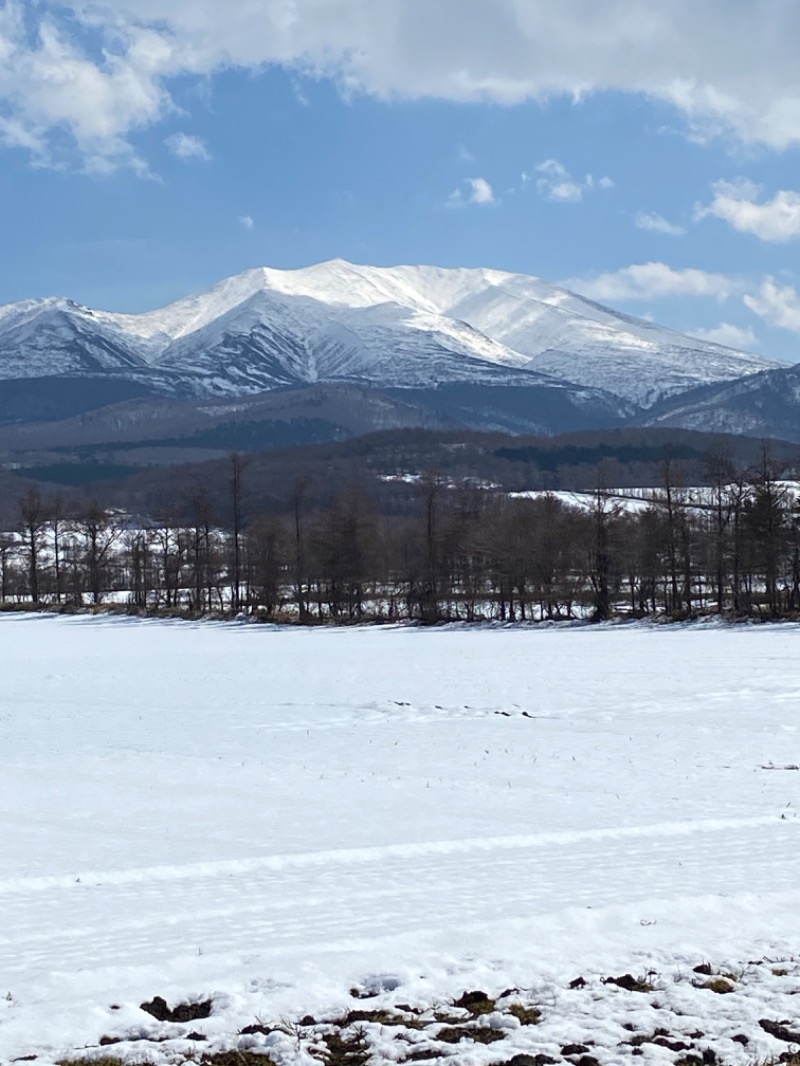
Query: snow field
[271, 817]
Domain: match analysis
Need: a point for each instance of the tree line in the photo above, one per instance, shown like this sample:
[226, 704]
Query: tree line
[466, 552]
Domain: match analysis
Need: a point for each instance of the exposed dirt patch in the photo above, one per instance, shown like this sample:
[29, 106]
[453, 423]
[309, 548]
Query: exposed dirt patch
[631, 983]
[525, 1015]
[475, 1002]
[528, 1060]
[258, 1028]
[780, 1030]
[524, 1059]
[380, 1017]
[448, 1031]
[721, 985]
[237, 1058]
[184, 1012]
[346, 1049]
[454, 1034]
[105, 1060]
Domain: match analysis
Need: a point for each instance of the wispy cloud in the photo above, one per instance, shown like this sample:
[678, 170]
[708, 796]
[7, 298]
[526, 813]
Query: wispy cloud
[186, 146]
[557, 184]
[655, 223]
[648, 281]
[246, 221]
[741, 337]
[299, 93]
[773, 302]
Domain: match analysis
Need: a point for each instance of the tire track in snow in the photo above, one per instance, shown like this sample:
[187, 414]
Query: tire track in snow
[299, 905]
[379, 853]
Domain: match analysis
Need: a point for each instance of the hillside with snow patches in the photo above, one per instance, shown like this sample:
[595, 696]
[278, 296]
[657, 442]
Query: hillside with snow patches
[399, 327]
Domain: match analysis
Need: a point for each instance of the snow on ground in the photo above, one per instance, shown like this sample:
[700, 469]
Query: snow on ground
[270, 817]
[638, 500]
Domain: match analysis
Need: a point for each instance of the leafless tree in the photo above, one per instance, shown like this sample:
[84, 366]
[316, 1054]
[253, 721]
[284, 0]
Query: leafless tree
[32, 524]
[99, 533]
[237, 466]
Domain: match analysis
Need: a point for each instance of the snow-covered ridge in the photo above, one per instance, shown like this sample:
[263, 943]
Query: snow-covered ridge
[405, 326]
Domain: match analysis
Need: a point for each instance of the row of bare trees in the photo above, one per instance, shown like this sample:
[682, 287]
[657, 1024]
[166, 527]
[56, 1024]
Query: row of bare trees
[56, 554]
[732, 547]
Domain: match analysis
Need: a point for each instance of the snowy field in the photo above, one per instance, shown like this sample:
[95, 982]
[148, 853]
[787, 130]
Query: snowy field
[271, 818]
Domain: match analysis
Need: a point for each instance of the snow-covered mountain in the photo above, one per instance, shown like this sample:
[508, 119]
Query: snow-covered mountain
[398, 327]
[42, 337]
[760, 405]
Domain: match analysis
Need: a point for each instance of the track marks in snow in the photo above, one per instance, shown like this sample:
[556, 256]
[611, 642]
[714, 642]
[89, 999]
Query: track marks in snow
[294, 902]
[347, 856]
[378, 712]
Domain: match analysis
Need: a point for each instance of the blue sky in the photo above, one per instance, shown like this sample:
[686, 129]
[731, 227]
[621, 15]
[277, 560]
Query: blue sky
[648, 158]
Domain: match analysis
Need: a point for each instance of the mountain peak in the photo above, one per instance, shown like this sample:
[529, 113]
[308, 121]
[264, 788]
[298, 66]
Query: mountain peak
[404, 326]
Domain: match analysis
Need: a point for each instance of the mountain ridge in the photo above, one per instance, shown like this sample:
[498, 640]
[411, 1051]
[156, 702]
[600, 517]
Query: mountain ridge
[399, 327]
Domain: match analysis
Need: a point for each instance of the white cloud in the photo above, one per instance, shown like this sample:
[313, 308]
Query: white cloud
[187, 146]
[246, 221]
[736, 202]
[655, 223]
[741, 337]
[479, 191]
[557, 184]
[778, 305]
[97, 72]
[54, 83]
[649, 281]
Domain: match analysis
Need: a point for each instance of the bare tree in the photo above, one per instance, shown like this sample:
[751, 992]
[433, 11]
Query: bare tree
[200, 549]
[298, 506]
[56, 516]
[32, 519]
[345, 546]
[8, 548]
[430, 583]
[139, 559]
[99, 533]
[238, 464]
[603, 515]
[767, 516]
[267, 551]
[720, 473]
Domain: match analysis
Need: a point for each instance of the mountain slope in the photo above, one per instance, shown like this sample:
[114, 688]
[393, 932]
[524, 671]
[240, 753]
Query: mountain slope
[41, 337]
[761, 405]
[398, 327]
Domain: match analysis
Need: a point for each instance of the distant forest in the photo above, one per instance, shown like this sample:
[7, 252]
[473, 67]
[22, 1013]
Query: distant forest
[427, 545]
[513, 463]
